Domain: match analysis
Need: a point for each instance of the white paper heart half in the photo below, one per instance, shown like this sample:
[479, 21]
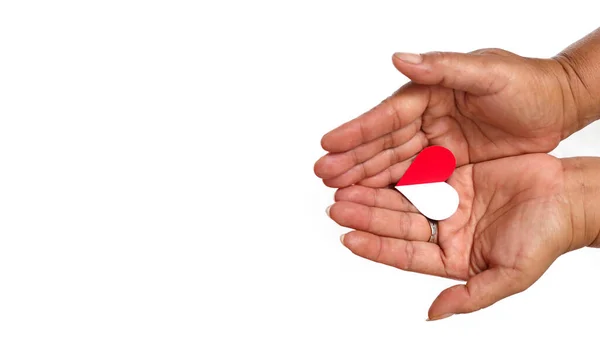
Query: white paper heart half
[437, 201]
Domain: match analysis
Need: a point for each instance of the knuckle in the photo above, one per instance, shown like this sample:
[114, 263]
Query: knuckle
[378, 249]
[406, 262]
[388, 141]
[375, 193]
[403, 225]
[370, 219]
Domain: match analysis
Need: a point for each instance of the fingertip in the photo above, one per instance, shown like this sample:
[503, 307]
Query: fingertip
[354, 240]
[342, 212]
[319, 167]
[324, 142]
[409, 64]
[329, 183]
[336, 182]
[345, 193]
[329, 142]
[342, 139]
[316, 168]
[398, 64]
[437, 318]
[448, 302]
[409, 58]
[348, 240]
[339, 194]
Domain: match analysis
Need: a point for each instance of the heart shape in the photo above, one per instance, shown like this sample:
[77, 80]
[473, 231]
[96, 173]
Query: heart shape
[424, 184]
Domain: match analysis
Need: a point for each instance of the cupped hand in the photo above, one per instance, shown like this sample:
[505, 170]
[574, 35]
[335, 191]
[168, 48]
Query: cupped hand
[513, 221]
[483, 105]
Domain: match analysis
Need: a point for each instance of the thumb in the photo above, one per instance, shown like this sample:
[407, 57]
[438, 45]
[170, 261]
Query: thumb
[480, 292]
[478, 74]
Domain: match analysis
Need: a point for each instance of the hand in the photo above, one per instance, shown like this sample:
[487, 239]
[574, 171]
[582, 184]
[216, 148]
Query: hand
[484, 105]
[513, 221]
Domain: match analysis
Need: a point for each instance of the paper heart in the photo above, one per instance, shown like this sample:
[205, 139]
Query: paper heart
[424, 185]
[433, 164]
[436, 201]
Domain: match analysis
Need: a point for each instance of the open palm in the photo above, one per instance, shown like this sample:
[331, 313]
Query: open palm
[511, 224]
[484, 105]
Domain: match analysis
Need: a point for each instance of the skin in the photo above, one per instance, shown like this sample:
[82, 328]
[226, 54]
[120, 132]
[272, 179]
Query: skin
[520, 209]
[509, 228]
[483, 105]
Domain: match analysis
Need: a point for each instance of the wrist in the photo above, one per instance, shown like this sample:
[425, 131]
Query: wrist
[571, 119]
[578, 70]
[580, 107]
[582, 193]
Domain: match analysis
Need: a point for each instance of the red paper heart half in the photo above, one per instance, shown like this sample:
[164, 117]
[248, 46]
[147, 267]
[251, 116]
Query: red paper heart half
[433, 164]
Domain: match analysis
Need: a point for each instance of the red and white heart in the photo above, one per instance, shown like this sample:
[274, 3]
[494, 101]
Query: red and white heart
[424, 184]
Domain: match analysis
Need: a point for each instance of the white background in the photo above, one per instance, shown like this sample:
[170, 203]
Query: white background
[156, 167]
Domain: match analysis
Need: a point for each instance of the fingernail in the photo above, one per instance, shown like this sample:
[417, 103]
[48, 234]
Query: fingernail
[327, 210]
[342, 238]
[409, 58]
[437, 318]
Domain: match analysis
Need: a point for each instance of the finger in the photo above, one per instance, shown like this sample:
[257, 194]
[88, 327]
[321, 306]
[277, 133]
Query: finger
[394, 113]
[380, 221]
[474, 73]
[387, 177]
[334, 164]
[379, 163]
[414, 256]
[375, 197]
[481, 291]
